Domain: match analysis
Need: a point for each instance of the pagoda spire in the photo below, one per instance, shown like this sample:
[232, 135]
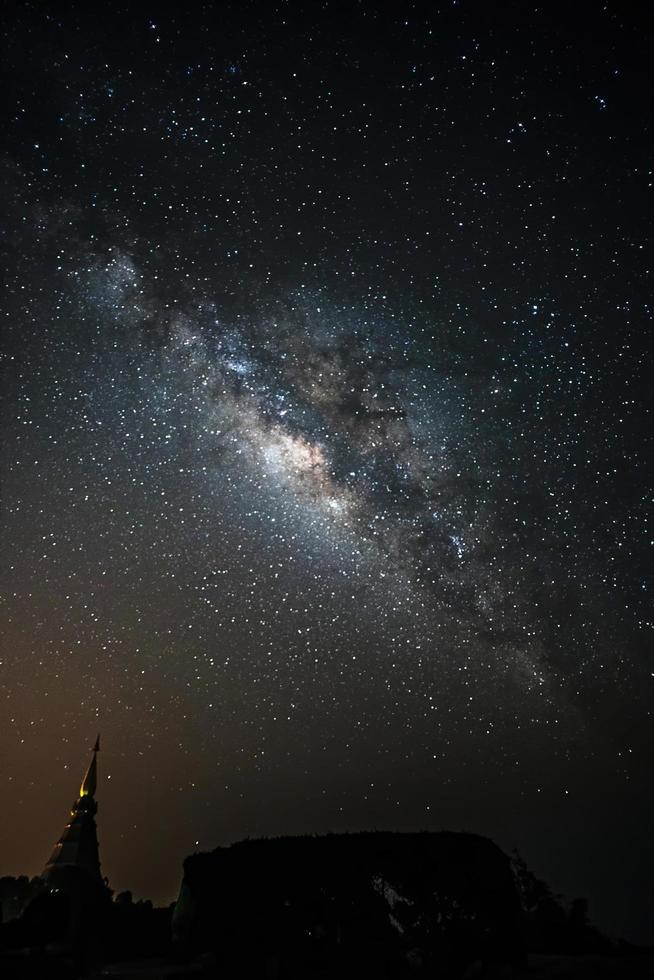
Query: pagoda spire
[78, 845]
[90, 781]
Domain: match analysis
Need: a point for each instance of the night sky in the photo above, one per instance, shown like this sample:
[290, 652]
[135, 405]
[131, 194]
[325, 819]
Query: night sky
[324, 393]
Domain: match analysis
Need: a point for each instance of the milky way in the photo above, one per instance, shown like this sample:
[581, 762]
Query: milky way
[324, 431]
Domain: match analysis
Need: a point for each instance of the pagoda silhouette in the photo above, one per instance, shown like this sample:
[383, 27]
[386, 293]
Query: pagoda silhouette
[77, 848]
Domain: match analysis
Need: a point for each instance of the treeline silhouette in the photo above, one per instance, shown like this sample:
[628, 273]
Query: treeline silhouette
[549, 925]
[388, 904]
[392, 903]
[70, 924]
[357, 904]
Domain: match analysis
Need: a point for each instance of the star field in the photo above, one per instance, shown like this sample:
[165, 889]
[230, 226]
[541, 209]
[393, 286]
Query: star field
[325, 486]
